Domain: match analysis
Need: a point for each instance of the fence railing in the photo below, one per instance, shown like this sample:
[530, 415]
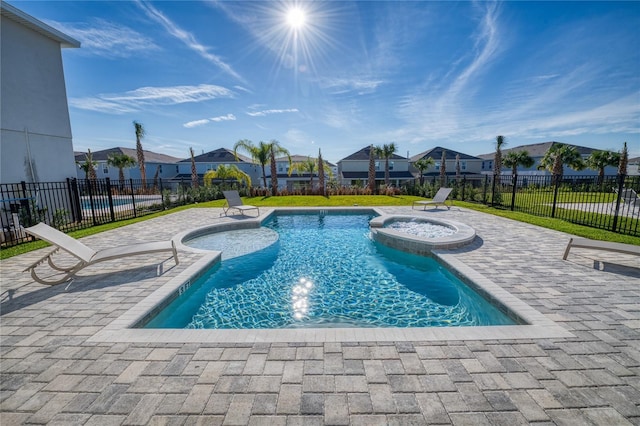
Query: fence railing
[609, 202]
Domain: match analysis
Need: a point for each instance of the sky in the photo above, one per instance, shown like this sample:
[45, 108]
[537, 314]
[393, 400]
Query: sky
[338, 76]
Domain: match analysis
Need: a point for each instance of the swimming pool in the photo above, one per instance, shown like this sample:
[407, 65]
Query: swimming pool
[325, 271]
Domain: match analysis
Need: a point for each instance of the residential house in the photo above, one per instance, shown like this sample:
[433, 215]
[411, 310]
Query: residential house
[221, 156]
[537, 152]
[165, 165]
[297, 179]
[34, 123]
[469, 165]
[354, 169]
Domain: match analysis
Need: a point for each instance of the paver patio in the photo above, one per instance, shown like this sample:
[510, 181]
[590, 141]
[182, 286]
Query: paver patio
[53, 372]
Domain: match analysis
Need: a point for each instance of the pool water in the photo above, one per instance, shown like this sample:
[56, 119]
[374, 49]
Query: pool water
[325, 271]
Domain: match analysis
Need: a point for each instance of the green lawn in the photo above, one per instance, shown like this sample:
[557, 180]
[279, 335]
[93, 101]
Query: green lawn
[349, 200]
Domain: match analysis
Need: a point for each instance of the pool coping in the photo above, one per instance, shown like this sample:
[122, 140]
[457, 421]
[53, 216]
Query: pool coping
[120, 330]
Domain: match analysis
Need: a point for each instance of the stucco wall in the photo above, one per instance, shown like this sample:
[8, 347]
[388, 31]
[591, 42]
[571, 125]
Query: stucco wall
[33, 98]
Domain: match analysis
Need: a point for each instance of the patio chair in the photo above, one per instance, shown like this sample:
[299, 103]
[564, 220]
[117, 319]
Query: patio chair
[440, 198]
[233, 201]
[85, 255]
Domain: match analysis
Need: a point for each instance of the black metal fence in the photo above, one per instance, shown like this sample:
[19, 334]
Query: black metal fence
[609, 203]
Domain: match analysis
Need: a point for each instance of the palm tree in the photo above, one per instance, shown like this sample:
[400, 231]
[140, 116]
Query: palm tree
[557, 156]
[624, 160]
[386, 151]
[89, 166]
[514, 159]
[443, 168]
[276, 149]
[309, 165]
[194, 170]
[226, 172]
[598, 160]
[140, 132]
[260, 154]
[497, 160]
[422, 165]
[121, 161]
[372, 170]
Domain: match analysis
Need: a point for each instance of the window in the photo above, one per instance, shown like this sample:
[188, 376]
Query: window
[437, 164]
[377, 166]
[390, 165]
[463, 165]
[105, 168]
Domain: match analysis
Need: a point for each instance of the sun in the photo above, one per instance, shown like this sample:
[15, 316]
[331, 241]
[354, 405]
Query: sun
[296, 18]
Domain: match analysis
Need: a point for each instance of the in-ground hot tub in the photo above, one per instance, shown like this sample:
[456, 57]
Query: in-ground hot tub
[420, 235]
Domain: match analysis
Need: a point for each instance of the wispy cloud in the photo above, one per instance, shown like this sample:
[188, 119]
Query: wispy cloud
[135, 100]
[188, 39]
[271, 111]
[102, 38]
[197, 123]
[346, 85]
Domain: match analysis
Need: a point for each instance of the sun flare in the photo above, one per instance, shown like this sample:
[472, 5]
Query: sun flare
[296, 18]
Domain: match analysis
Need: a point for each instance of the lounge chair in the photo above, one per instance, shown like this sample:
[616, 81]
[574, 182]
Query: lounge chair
[85, 255]
[440, 198]
[235, 202]
[601, 245]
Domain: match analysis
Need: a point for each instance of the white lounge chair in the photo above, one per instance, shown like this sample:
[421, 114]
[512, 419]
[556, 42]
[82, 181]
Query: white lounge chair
[601, 245]
[440, 198]
[85, 255]
[235, 202]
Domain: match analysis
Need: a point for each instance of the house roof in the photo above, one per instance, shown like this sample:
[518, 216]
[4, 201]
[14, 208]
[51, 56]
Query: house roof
[363, 154]
[220, 155]
[149, 156]
[537, 149]
[17, 15]
[436, 154]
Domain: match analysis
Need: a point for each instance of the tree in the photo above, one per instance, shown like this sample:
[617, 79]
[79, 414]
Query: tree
[121, 161]
[514, 159]
[372, 170]
[225, 173]
[89, 166]
[557, 156]
[624, 160]
[386, 151]
[443, 168]
[598, 160]
[194, 170]
[457, 166]
[276, 149]
[497, 160]
[321, 173]
[140, 132]
[260, 153]
[311, 166]
[422, 165]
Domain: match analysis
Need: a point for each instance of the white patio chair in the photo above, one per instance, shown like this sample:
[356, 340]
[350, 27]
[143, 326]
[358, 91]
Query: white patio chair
[233, 201]
[440, 198]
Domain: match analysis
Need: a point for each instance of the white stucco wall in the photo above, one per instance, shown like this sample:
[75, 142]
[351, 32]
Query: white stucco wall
[34, 119]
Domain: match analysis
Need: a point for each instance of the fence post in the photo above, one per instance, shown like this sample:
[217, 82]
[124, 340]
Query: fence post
[464, 185]
[556, 180]
[110, 198]
[27, 203]
[74, 197]
[89, 184]
[484, 189]
[618, 199]
[514, 183]
[133, 197]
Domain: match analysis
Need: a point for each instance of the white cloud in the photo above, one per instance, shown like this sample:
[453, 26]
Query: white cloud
[134, 100]
[188, 39]
[228, 117]
[106, 39]
[271, 111]
[347, 85]
[195, 123]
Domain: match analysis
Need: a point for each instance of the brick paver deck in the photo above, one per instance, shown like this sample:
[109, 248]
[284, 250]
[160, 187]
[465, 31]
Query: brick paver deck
[54, 373]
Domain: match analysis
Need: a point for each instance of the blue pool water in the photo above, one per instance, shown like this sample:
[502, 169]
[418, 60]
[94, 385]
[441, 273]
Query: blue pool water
[325, 271]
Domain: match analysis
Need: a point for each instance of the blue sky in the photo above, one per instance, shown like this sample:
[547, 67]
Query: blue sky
[205, 74]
